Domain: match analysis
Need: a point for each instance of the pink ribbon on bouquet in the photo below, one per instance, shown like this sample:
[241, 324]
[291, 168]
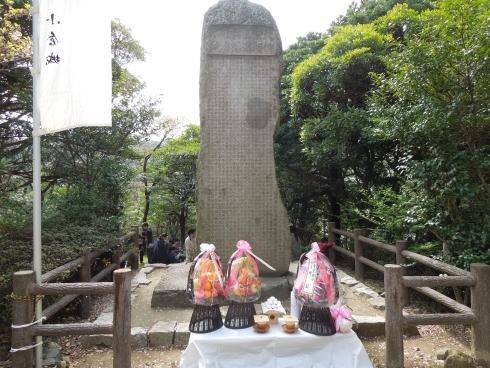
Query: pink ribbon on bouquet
[245, 247]
[340, 312]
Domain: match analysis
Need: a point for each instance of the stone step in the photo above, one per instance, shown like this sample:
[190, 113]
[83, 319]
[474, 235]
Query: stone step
[162, 334]
[167, 334]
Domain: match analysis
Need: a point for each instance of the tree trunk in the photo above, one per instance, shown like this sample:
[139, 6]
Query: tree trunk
[147, 203]
[302, 213]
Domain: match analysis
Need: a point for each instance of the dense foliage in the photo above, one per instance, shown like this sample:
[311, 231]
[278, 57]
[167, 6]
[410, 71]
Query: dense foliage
[85, 171]
[386, 126]
[173, 171]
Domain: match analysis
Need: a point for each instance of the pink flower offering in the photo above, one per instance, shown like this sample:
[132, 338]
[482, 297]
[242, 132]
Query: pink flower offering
[205, 284]
[316, 283]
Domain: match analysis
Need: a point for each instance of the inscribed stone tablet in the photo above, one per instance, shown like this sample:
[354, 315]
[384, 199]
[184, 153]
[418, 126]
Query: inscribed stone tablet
[238, 196]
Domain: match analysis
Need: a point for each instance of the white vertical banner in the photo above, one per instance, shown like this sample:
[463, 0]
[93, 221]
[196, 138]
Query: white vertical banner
[75, 81]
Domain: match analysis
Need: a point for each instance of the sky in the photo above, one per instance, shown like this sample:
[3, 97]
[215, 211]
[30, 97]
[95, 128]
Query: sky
[170, 30]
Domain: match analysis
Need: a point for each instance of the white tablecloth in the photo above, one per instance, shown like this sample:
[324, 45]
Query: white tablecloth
[246, 348]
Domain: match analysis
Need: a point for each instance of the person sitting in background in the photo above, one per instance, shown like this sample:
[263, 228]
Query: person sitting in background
[160, 250]
[179, 251]
[171, 256]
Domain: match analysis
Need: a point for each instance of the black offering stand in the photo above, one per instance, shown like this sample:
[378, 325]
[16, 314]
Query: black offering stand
[317, 321]
[204, 318]
[240, 315]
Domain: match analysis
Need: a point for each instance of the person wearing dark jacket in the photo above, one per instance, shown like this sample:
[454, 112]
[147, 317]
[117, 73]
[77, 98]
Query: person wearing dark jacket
[171, 257]
[148, 239]
[160, 250]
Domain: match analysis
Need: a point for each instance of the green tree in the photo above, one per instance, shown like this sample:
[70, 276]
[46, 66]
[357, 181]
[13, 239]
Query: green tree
[174, 170]
[300, 188]
[167, 128]
[328, 96]
[15, 104]
[90, 165]
[368, 11]
[435, 100]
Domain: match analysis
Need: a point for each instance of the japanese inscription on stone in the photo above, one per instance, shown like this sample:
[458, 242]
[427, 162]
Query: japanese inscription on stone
[238, 196]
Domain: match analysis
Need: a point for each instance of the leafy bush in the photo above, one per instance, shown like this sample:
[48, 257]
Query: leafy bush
[61, 242]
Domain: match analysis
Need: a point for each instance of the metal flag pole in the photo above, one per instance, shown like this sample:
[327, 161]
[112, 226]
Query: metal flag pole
[36, 172]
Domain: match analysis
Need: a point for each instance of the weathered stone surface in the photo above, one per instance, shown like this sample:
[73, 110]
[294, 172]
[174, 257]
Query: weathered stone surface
[377, 303]
[51, 356]
[105, 318]
[238, 196]
[365, 292]
[369, 326]
[375, 326]
[277, 287]
[441, 354]
[139, 337]
[290, 278]
[93, 340]
[349, 281]
[134, 285]
[182, 334]
[67, 361]
[457, 359]
[358, 285]
[170, 290]
[162, 334]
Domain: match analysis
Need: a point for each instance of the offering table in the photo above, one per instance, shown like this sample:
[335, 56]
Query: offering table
[246, 348]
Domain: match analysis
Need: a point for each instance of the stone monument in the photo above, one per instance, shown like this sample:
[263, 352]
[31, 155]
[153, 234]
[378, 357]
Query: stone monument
[237, 192]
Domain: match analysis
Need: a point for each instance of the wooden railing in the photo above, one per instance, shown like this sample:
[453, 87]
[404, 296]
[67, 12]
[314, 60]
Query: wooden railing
[396, 285]
[26, 292]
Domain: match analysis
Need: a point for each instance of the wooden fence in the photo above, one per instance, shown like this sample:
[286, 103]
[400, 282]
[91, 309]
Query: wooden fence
[396, 285]
[26, 292]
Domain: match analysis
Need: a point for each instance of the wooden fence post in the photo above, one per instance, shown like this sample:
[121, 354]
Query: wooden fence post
[22, 313]
[332, 256]
[393, 316]
[85, 273]
[359, 266]
[402, 245]
[122, 319]
[134, 260]
[116, 257]
[480, 305]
